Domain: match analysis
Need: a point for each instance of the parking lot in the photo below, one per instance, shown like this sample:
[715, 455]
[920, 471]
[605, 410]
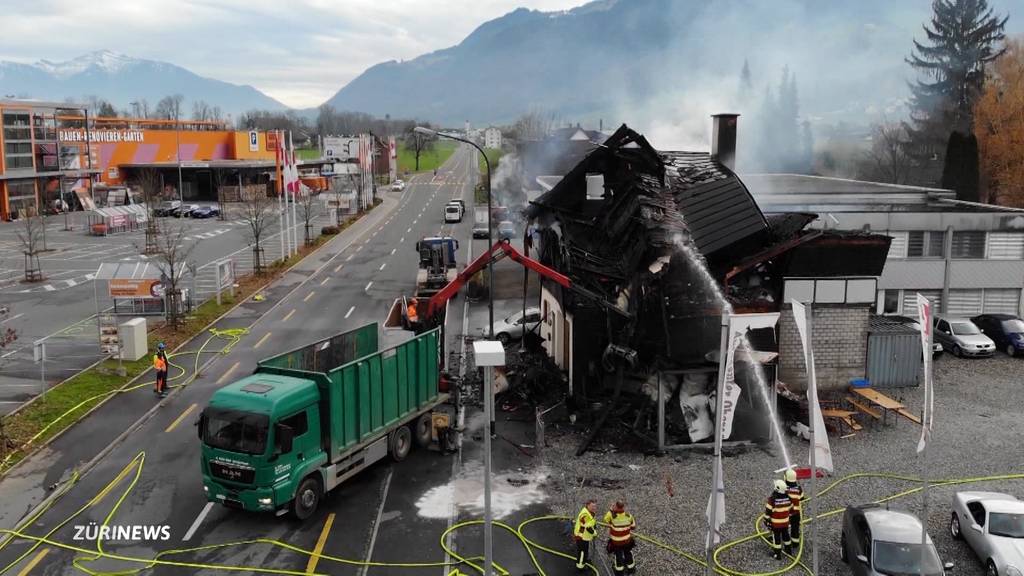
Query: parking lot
[977, 432]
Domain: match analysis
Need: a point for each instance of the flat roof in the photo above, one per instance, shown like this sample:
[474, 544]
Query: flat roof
[7, 102]
[203, 164]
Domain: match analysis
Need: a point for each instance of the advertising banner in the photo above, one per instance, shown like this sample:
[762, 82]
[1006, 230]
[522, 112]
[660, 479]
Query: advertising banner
[132, 288]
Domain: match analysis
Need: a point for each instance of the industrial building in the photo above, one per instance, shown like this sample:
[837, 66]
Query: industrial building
[966, 257]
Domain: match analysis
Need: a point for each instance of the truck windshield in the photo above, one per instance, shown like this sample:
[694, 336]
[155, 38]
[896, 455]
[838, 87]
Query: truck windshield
[236, 431]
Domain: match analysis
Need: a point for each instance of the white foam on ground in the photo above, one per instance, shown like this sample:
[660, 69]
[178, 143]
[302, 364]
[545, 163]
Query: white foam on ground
[467, 493]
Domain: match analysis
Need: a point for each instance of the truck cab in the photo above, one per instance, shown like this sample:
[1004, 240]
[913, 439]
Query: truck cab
[260, 438]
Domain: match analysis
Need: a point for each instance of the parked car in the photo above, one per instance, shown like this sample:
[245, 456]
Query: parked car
[961, 337]
[913, 323]
[452, 212]
[506, 230]
[994, 525]
[1006, 330]
[480, 231]
[876, 541]
[205, 212]
[513, 327]
[166, 207]
[397, 186]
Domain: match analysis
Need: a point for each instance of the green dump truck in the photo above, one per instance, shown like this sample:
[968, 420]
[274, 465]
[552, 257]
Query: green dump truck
[309, 419]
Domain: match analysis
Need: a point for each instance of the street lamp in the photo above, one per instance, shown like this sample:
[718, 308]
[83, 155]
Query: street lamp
[490, 233]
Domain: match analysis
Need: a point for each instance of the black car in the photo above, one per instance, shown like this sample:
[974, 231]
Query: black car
[481, 231]
[205, 212]
[1006, 330]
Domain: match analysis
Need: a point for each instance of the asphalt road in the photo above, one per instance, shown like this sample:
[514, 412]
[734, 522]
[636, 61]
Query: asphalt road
[351, 281]
[62, 308]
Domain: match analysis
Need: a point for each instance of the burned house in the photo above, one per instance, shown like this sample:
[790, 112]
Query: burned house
[670, 239]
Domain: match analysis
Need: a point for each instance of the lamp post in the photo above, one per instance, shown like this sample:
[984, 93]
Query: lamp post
[490, 232]
[177, 152]
[488, 354]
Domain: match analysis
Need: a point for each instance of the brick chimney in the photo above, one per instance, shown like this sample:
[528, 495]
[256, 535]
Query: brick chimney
[723, 139]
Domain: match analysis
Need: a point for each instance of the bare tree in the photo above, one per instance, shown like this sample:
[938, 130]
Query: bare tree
[172, 260]
[419, 143]
[888, 160]
[257, 209]
[534, 125]
[309, 209]
[169, 107]
[32, 236]
[204, 111]
[149, 180]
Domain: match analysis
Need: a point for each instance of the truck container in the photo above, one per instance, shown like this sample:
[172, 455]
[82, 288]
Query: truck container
[480, 215]
[308, 419]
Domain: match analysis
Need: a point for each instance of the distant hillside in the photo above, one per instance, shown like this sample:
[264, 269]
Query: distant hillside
[122, 79]
[652, 59]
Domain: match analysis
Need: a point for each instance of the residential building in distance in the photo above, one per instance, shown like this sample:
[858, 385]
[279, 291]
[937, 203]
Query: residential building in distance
[492, 138]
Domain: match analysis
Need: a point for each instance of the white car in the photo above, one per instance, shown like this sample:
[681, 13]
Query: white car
[397, 186]
[512, 328]
[993, 526]
[452, 213]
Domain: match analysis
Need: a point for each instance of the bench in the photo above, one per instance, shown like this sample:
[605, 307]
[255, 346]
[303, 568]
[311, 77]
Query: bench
[909, 416]
[864, 408]
[844, 416]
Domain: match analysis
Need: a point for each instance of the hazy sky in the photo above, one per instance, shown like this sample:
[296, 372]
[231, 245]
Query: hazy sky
[298, 51]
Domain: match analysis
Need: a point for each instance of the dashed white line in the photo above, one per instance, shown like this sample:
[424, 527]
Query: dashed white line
[199, 520]
[402, 241]
[324, 281]
[349, 313]
[367, 289]
[409, 229]
[393, 251]
[338, 268]
[382, 266]
[350, 256]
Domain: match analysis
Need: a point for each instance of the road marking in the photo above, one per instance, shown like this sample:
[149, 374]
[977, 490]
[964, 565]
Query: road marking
[338, 268]
[262, 340]
[367, 289]
[225, 375]
[288, 315]
[32, 563]
[415, 220]
[180, 418]
[409, 229]
[402, 241]
[350, 256]
[117, 480]
[15, 317]
[315, 557]
[308, 296]
[199, 520]
[324, 281]
[376, 523]
[393, 251]
[349, 313]
[382, 266]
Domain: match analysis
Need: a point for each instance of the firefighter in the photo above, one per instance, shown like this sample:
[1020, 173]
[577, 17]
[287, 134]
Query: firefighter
[583, 533]
[160, 365]
[776, 518]
[411, 313]
[620, 538]
[796, 496]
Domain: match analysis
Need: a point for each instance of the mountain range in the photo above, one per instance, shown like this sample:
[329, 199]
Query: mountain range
[122, 79]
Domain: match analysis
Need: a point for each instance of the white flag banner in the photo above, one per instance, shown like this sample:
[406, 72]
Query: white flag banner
[924, 318]
[822, 450]
[739, 324]
[716, 499]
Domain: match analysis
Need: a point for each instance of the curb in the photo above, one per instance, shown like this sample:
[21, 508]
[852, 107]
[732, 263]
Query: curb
[145, 417]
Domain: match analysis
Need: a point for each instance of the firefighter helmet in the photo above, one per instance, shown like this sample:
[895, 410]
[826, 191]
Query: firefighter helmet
[780, 486]
[790, 475]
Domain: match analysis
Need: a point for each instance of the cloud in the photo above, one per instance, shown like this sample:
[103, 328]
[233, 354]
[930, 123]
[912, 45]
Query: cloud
[300, 51]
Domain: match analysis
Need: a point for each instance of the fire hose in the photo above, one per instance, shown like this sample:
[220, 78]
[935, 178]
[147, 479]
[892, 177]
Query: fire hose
[134, 468]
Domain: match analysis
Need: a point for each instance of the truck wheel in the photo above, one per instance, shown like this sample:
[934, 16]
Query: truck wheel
[307, 498]
[424, 431]
[400, 443]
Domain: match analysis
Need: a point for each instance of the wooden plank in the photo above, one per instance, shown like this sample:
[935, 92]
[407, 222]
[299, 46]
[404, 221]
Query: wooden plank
[853, 424]
[909, 416]
[864, 408]
[876, 397]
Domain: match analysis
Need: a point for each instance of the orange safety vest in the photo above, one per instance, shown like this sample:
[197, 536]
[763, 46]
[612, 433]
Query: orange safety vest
[796, 494]
[159, 363]
[620, 527]
[777, 510]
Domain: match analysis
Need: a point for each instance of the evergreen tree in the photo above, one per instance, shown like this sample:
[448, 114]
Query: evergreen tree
[960, 170]
[962, 36]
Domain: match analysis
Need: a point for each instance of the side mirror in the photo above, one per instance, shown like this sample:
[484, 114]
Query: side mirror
[285, 436]
[862, 559]
[201, 425]
[977, 528]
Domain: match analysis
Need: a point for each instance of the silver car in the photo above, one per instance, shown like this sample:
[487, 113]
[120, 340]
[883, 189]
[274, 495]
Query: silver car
[512, 328]
[993, 526]
[876, 541]
[961, 337]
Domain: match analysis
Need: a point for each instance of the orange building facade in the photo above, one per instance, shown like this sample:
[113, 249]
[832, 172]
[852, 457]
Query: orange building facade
[48, 154]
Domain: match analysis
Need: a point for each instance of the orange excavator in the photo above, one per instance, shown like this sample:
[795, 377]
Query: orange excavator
[430, 312]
